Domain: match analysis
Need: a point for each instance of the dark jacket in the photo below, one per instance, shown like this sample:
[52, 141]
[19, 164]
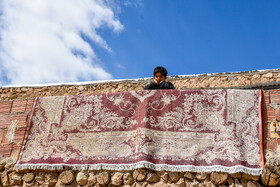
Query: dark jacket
[163, 85]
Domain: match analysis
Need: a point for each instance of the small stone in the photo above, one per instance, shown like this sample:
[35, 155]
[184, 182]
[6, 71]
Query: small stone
[256, 76]
[28, 177]
[24, 89]
[81, 88]
[67, 177]
[250, 177]
[189, 175]
[51, 179]
[265, 176]
[181, 182]
[39, 179]
[188, 183]
[195, 183]
[103, 178]
[117, 178]
[28, 184]
[174, 176]
[258, 184]
[52, 182]
[165, 177]
[247, 82]
[201, 176]
[210, 184]
[263, 80]
[5, 179]
[17, 179]
[239, 185]
[236, 175]
[128, 179]
[231, 78]
[9, 164]
[173, 185]
[48, 177]
[2, 166]
[270, 179]
[140, 184]
[236, 181]
[152, 177]
[230, 180]
[158, 184]
[243, 182]
[92, 180]
[219, 178]
[268, 75]
[160, 173]
[139, 174]
[81, 178]
[252, 184]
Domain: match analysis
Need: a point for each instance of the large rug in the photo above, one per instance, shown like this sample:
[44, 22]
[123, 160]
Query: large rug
[174, 130]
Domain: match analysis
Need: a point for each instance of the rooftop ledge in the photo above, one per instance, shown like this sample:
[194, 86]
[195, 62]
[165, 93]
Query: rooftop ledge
[259, 79]
[175, 77]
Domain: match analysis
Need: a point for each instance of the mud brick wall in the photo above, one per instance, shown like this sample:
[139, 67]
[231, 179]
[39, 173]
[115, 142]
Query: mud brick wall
[270, 108]
[13, 121]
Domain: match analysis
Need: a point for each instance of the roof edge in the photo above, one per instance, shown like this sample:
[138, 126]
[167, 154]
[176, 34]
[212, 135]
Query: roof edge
[142, 79]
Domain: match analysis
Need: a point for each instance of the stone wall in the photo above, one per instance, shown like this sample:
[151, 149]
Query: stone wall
[219, 80]
[136, 178]
[16, 103]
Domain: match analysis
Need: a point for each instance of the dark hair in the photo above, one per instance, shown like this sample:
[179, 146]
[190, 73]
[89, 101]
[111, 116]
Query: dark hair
[161, 70]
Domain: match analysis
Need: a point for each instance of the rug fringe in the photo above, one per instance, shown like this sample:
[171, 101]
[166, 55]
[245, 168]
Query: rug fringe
[148, 165]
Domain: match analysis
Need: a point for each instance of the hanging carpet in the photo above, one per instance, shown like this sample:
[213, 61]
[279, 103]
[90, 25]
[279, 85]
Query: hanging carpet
[173, 130]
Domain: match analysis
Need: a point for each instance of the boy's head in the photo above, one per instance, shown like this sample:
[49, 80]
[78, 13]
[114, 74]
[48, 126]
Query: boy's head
[161, 70]
[160, 74]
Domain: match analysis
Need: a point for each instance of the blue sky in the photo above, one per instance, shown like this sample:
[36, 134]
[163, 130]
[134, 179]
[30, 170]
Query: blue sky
[101, 40]
[193, 37]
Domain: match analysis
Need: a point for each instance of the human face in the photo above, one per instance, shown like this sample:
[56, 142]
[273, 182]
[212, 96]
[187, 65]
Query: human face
[159, 78]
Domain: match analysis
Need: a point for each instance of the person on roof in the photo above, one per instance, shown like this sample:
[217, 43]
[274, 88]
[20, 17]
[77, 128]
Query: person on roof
[160, 74]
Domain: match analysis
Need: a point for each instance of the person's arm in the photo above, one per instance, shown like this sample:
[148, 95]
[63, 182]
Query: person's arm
[151, 86]
[166, 85]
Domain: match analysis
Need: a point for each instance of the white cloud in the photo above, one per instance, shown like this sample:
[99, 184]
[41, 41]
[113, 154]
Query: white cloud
[119, 66]
[134, 3]
[43, 41]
